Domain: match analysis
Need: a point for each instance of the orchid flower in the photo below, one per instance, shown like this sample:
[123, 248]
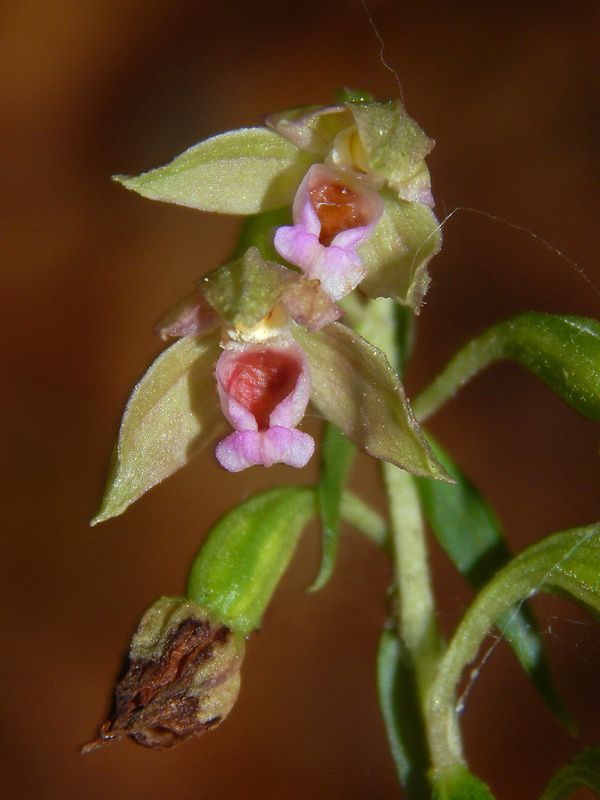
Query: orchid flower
[372, 145]
[333, 215]
[257, 341]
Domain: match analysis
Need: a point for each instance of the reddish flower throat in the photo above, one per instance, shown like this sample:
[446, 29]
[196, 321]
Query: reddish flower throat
[337, 208]
[260, 380]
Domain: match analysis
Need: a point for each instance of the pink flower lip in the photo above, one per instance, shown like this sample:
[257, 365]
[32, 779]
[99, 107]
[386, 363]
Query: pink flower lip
[264, 390]
[278, 445]
[333, 213]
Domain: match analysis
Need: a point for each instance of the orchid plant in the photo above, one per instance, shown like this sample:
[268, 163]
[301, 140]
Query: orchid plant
[317, 305]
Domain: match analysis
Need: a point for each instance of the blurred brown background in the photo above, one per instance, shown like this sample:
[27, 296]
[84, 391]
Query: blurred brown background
[510, 92]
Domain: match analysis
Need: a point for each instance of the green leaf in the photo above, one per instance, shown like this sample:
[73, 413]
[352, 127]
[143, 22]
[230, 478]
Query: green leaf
[239, 172]
[356, 389]
[469, 532]
[405, 239]
[457, 783]
[563, 351]
[338, 454]
[583, 770]
[398, 698]
[172, 413]
[246, 553]
[566, 563]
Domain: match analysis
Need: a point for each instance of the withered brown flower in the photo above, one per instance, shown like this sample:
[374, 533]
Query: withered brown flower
[182, 678]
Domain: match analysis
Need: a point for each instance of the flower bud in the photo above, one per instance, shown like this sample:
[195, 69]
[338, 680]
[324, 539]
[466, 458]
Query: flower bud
[182, 677]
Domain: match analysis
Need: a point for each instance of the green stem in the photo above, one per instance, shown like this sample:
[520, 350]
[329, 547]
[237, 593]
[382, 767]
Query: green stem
[416, 621]
[389, 328]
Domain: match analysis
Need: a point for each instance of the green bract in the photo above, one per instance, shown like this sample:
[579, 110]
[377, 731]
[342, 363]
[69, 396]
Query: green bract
[245, 555]
[336, 461]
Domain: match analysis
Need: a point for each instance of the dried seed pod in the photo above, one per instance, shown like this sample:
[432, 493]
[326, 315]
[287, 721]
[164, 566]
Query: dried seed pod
[182, 677]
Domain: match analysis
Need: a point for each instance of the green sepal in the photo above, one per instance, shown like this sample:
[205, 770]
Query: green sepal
[398, 700]
[396, 256]
[246, 553]
[583, 770]
[469, 532]
[244, 292]
[395, 146]
[356, 389]
[567, 563]
[239, 172]
[172, 413]
[336, 462]
[457, 783]
[563, 351]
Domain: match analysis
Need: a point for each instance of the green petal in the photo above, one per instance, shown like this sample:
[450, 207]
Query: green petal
[470, 534]
[566, 563]
[311, 128]
[246, 553]
[395, 146]
[355, 388]
[405, 239]
[239, 172]
[172, 413]
[245, 291]
[563, 351]
[457, 783]
[583, 770]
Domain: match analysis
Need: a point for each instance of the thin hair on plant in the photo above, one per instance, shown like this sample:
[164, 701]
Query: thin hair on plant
[382, 47]
[577, 268]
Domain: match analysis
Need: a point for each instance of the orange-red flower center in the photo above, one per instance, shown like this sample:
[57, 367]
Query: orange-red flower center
[261, 379]
[337, 208]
